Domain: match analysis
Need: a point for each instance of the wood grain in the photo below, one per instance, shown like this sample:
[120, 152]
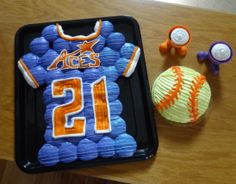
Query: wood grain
[224, 6]
[205, 153]
[10, 174]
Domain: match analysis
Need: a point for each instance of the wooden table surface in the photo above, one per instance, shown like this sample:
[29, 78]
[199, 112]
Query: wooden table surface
[205, 153]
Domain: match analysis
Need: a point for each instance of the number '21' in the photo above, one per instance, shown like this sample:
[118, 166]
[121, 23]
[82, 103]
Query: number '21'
[60, 113]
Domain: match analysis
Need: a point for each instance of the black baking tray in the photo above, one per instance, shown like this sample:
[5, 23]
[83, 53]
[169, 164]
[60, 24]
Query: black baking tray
[134, 95]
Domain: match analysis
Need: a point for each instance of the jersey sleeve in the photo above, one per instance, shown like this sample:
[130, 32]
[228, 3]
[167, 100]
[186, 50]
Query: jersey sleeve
[33, 73]
[33, 65]
[127, 53]
[129, 56]
[29, 64]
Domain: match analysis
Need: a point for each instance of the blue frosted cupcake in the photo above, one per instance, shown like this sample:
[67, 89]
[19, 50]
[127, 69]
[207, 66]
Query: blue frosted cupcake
[107, 28]
[88, 110]
[39, 46]
[118, 126]
[48, 155]
[91, 74]
[87, 150]
[115, 41]
[47, 95]
[108, 57]
[106, 147]
[116, 108]
[48, 58]
[49, 139]
[113, 91]
[30, 60]
[73, 73]
[90, 131]
[48, 113]
[50, 32]
[87, 93]
[60, 44]
[74, 140]
[74, 45]
[125, 145]
[110, 72]
[54, 75]
[121, 65]
[39, 74]
[99, 45]
[127, 50]
[67, 152]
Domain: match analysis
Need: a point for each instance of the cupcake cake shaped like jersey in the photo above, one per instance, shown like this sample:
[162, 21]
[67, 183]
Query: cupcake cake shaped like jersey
[98, 58]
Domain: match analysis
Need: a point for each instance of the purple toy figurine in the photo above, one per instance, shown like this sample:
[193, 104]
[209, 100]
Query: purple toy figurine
[219, 53]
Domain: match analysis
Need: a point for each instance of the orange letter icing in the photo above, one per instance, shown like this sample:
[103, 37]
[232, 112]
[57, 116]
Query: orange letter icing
[101, 106]
[61, 112]
[61, 58]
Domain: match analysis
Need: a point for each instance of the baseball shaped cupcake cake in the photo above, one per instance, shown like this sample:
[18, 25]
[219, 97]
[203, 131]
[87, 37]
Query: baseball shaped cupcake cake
[181, 95]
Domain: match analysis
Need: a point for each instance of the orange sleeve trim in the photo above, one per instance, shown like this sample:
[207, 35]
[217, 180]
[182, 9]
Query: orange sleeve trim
[193, 101]
[79, 37]
[130, 61]
[28, 73]
[183, 27]
[173, 94]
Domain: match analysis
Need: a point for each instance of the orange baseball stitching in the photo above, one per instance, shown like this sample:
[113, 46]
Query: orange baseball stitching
[193, 101]
[173, 94]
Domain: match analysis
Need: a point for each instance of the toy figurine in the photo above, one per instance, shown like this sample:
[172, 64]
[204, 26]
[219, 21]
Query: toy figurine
[179, 37]
[218, 53]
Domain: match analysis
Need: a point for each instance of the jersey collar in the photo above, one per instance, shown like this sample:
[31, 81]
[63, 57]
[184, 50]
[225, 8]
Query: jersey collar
[97, 29]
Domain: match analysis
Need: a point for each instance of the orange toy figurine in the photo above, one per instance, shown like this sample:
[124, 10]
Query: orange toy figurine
[179, 37]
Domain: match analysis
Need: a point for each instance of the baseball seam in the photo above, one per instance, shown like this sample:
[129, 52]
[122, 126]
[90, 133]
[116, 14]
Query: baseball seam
[173, 94]
[193, 101]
